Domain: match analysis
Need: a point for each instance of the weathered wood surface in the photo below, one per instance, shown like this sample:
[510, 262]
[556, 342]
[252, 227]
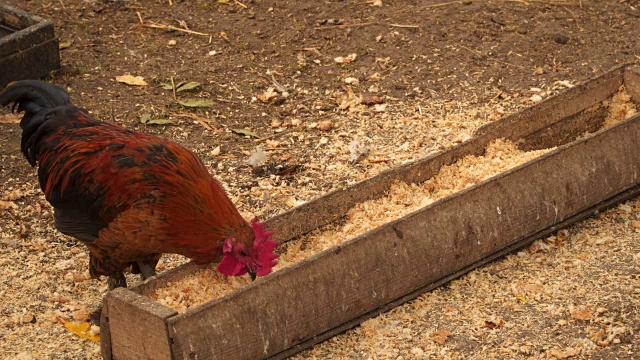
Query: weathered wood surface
[632, 82]
[31, 51]
[372, 270]
[137, 326]
[566, 130]
[516, 245]
[105, 331]
[330, 292]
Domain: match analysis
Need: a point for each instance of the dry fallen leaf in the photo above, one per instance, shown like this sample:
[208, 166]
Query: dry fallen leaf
[245, 132]
[287, 170]
[345, 59]
[440, 336]
[191, 85]
[65, 44]
[584, 314]
[564, 354]
[182, 86]
[269, 94]
[82, 330]
[131, 80]
[195, 102]
[147, 120]
[492, 324]
[370, 99]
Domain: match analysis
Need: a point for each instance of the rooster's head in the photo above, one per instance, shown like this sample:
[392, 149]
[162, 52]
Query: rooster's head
[256, 260]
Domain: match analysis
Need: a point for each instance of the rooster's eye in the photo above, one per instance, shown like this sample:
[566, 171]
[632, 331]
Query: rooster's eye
[243, 253]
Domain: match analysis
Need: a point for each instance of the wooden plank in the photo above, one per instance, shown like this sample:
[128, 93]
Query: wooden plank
[566, 130]
[632, 82]
[105, 333]
[137, 326]
[347, 282]
[556, 108]
[516, 246]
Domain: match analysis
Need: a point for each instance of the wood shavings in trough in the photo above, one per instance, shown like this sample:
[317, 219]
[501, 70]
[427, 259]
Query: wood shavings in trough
[571, 293]
[619, 107]
[402, 199]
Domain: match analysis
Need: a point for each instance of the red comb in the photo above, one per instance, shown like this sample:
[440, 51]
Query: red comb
[263, 248]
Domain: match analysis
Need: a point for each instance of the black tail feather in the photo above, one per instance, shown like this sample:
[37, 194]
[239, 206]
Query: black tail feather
[37, 99]
[28, 93]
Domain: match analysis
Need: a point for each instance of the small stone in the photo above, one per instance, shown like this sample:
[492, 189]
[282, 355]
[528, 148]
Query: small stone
[172, 43]
[560, 39]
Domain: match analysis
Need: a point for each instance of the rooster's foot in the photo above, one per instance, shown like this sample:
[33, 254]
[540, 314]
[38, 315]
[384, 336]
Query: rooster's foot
[117, 280]
[146, 270]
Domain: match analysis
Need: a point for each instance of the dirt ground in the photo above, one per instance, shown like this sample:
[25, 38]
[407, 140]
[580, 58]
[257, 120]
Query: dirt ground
[432, 73]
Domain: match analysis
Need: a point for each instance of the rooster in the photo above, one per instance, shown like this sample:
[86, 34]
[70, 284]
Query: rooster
[131, 196]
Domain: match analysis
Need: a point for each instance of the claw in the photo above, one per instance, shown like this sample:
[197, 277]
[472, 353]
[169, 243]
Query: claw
[117, 280]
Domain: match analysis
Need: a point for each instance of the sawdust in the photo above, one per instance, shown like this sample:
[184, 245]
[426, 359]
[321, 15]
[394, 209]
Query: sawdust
[402, 199]
[620, 107]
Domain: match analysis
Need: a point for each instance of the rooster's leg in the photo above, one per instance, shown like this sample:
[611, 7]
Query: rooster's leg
[117, 280]
[146, 270]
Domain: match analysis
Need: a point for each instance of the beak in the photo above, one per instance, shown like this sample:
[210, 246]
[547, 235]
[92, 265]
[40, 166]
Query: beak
[252, 273]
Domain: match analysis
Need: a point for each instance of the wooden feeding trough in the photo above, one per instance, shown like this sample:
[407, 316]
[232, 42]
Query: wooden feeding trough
[28, 46]
[305, 303]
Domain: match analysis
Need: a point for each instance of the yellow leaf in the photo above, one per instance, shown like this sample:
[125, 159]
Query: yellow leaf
[131, 80]
[521, 298]
[64, 45]
[82, 330]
